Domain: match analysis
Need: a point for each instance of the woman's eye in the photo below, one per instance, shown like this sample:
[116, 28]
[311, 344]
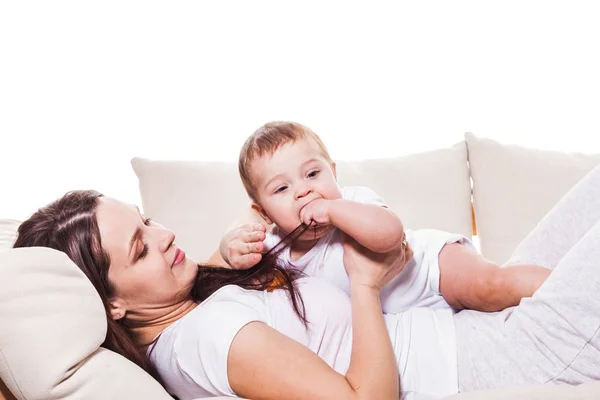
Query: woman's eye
[280, 189]
[312, 174]
[144, 252]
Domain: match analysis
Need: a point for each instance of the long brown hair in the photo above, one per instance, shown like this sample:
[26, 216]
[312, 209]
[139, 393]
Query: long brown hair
[69, 225]
[267, 274]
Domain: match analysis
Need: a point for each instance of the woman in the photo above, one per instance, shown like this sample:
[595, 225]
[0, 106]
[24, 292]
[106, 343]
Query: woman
[257, 343]
[151, 290]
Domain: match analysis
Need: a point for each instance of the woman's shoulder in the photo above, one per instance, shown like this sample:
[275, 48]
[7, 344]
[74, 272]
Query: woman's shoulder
[228, 302]
[231, 307]
[216, 319]
[203, 337]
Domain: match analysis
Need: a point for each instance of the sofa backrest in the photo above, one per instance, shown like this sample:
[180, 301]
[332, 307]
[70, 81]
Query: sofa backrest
[509, 187]
[514, 187]
[199, 200]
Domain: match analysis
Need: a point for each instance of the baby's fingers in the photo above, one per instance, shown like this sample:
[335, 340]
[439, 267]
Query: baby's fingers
[305, 217]
[255, 247]
[252, 237]
[251, 228]
[259, 227]
[248, 260]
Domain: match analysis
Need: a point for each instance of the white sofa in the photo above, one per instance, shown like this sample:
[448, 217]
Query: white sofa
[53, 322]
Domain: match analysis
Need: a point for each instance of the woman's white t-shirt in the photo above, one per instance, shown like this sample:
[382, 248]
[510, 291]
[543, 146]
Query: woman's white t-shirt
[191, 355]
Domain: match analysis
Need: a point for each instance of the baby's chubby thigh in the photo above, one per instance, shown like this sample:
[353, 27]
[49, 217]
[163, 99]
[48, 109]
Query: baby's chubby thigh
[418, 285]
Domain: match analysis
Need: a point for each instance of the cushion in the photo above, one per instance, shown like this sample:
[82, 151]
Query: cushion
[514, 187]
[196, 200]
[8, 230]
[57, 323]
[8, 233]
[199, 200]
[427, 190]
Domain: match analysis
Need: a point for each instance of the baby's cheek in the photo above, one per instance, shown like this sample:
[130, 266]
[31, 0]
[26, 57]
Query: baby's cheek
[335, 194]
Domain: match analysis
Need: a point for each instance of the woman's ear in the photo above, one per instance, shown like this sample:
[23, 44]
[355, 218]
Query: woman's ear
[117, 311]
[259, 210]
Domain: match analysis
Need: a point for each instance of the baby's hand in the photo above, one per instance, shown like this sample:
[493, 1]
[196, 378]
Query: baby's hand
[317, 211]
[242, 247]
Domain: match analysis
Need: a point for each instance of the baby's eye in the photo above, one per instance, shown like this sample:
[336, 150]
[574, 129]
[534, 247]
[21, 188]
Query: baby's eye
[147, 221]
[280, 189]
[312, 174]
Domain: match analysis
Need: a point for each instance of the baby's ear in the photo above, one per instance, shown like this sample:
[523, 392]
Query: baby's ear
[260, 211]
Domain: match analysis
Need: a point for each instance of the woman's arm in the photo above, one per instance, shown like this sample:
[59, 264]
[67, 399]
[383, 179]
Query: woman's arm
[373, 371]
[264, 364]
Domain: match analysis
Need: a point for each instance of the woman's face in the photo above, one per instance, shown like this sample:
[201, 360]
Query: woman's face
[147, 270]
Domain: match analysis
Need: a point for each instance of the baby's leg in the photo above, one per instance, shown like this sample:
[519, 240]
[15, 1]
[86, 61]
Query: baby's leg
[552, 337]
[467, 280]
[566, 223]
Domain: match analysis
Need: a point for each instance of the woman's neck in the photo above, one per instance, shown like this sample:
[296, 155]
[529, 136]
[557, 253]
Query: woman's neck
[146, 329]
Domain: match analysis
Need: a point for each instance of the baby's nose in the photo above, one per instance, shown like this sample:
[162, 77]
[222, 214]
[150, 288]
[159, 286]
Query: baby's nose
[303, 192]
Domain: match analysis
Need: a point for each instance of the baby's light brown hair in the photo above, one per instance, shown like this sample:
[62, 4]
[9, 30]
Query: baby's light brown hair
[266, 140]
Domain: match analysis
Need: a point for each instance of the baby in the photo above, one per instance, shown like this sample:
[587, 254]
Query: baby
[290, 178]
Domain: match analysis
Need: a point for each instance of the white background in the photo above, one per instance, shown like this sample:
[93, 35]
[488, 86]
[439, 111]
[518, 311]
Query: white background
[85, 86]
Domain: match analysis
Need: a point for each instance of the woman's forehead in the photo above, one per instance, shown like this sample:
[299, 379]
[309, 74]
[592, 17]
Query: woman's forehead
[116, 222]
[109, 206]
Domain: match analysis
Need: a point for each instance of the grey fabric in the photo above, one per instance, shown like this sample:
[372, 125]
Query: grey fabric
[586, 391]
[552, 337]
[571, 218]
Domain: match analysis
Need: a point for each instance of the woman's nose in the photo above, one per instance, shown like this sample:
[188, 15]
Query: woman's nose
[166, 239]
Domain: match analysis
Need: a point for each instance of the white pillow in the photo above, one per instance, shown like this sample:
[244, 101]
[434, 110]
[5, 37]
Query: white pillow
[199, 200]
[53, 323]
[196, 200]
[514, 187]
[427, 190]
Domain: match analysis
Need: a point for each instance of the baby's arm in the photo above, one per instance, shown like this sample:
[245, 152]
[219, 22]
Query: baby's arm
[375, 227]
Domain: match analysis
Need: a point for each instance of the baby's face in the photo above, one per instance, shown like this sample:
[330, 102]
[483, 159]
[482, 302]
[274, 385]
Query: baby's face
[286, 181]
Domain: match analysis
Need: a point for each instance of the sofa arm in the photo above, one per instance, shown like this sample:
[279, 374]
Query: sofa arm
[53, 323]
[587, 391]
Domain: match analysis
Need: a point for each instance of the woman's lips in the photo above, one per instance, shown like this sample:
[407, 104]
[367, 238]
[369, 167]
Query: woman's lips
[179, 257]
